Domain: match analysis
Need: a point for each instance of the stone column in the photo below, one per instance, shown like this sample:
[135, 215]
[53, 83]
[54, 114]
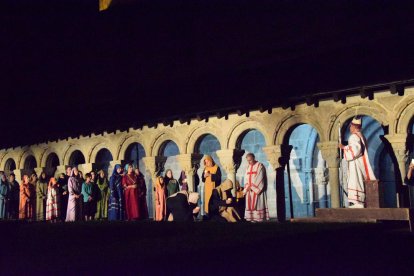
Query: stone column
[18, 174]
[154, 166]
[399, 146]
[275, 157]
[86, 168]
[230, 161]
[330, 153]
[38, 171]
[189, 164]
[60, 169]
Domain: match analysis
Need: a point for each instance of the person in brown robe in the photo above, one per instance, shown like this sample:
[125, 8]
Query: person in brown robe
[27, 205]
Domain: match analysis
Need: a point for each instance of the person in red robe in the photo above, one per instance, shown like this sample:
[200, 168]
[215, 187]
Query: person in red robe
[131, 192]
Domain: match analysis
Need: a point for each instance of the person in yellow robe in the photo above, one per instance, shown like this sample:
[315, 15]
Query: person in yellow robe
[211, 177]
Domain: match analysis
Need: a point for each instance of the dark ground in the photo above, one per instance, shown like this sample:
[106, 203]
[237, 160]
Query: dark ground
[206, 248]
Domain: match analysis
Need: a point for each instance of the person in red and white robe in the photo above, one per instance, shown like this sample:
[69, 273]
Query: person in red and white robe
[359, 168]
[255, 191]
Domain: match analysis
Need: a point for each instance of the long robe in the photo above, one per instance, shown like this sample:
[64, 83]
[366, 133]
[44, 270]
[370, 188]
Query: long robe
[63, 187]
[131, 196]
[179, 207]
[102, 197]
[4, 196]
[160, 203]
[41, 193]
[74, 211]
[27, 201]
[14, 200]
[116, 198]
[53, 203]
[359, 168]
[142, 187]
[210, 183]
[219, 210]
[256, 199]
[172, 186]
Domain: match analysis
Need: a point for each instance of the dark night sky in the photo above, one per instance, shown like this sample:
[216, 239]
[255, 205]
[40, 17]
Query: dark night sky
[68, 69]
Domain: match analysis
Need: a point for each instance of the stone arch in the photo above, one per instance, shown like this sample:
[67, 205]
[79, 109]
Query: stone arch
[241, 128]
[46, 154]
[375, 111]
[6, 157]
[95, 150]
[197, 134]
[23, 158]
[9, 165]
[69, 152]
[286, 126]
[126, 142]
[404, 113]
[161, 139]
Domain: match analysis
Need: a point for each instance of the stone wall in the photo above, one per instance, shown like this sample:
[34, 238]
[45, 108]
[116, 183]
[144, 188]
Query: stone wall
[393, 112]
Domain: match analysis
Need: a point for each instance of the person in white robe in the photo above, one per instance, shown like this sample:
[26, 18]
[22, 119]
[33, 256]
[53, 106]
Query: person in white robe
[255, 191]
[358, 166]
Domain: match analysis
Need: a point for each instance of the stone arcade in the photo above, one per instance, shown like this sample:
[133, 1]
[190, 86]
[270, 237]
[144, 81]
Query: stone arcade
[296, 188]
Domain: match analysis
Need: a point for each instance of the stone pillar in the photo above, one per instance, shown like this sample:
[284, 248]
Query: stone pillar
[189, 164]
[398, 142]
[86, 168]
[38, 171]
[60, 169]
[154, 166]
[230, 161]
[330, 153]
[275, 157]
[321, 180]
[18, 174]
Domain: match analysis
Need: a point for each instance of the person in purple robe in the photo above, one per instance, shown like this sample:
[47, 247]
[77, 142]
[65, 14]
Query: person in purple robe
[74, 211]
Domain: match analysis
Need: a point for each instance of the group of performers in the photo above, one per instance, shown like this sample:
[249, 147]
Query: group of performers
[74, 197]
[220, 204]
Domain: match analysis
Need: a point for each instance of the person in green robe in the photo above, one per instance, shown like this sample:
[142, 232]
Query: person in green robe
[171, 183]
[41, 196]
[4, 195]
[102, 196]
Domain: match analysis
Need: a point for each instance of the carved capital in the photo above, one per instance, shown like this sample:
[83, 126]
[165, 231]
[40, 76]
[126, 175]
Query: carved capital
[330, 153]
[276, 155]
[230, 159]
[190, 162]
[154, 165]
[399, 145]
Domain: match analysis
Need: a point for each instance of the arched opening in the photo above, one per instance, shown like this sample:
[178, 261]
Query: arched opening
[134, 154]
[52, 162]
[76, 158]
[29, 165]
[253, 141]
[9, 166]
[305, 174]
[103, 160]
[207, 145]
[170, 150]
[380, 155]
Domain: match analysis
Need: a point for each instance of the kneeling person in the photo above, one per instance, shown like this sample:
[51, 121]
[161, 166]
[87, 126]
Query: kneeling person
[182, 206]
[221, 204]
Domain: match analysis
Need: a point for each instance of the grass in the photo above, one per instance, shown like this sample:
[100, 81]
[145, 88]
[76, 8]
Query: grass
[204, 248]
